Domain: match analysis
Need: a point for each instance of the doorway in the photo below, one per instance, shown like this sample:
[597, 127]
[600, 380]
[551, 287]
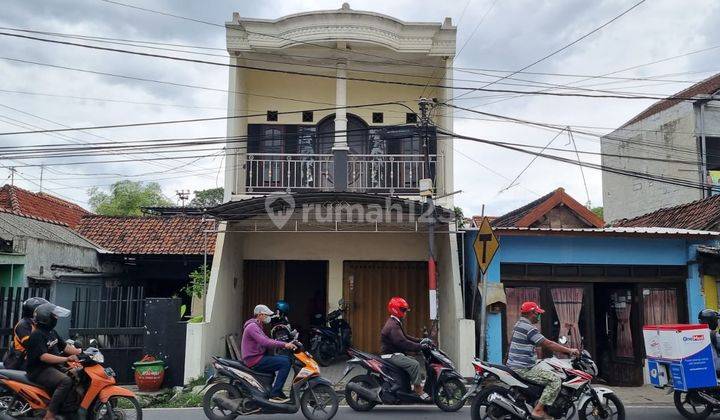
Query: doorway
[306, 292]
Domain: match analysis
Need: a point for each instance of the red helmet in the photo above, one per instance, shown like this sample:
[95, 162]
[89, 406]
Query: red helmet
[398, 307]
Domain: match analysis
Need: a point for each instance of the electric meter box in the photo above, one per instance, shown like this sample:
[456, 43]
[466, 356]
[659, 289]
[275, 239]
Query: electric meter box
[680, 353]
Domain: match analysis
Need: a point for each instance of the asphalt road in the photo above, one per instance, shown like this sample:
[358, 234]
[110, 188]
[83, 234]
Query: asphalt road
[396, 413]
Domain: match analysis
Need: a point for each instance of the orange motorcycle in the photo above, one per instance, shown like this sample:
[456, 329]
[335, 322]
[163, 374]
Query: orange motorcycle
[94, 397]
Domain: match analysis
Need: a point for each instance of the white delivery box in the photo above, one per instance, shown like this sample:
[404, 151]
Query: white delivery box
[684, 350]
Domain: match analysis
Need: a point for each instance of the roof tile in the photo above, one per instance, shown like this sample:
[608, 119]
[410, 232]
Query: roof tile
[40, 205]
[701, 215]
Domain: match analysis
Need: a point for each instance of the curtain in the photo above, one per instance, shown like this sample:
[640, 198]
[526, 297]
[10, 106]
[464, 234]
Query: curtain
[660, 306]
[568, 305]
[624, 332]
[515, 296]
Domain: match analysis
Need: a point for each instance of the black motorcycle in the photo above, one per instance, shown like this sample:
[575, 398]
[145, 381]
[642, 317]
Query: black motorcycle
[385, 383]
[331, 340]
[236, 390]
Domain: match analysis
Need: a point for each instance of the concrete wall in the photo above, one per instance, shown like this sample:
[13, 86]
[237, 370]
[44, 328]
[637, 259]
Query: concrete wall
[41, 255]
[625, 196]
[584, 250]
[224, 300]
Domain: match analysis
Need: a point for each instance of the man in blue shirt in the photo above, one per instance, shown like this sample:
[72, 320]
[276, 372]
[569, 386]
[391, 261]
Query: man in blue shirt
[522, 356]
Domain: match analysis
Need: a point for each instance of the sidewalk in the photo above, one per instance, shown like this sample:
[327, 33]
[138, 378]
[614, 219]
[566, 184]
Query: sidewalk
[643, 395]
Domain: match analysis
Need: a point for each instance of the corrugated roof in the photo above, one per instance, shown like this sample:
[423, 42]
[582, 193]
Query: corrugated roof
[13, 226]
[709, 86]
[40, 205]
[150, 235]
[700, 214]
[616, 231]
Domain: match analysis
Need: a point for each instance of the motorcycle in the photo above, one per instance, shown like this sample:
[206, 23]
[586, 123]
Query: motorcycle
[385, 383]
[328, 342]
[236, 390]
[95, 394]
[280, 328]
[503, 394]
[697, 404]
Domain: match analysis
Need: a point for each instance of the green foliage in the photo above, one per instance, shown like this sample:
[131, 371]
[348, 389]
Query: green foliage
[183, 311]
[197, 284]
[208, 198]
[598, 211]
[126, 198]
[459, 216]
[196, 319]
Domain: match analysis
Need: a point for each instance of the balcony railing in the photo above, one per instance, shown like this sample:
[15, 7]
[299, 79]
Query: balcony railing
[388, 173]
[269, 172]
[393, 174]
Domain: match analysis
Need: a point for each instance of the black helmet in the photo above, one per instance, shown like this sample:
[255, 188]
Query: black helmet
[29, 306]
[709, 317]
[47, 314]
[282, 307]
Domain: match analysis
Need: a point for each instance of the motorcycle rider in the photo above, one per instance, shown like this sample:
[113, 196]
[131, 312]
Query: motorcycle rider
[15, 356]
[254, 346]
[711, 318]
[394, 343]
[522, 357]
[45, 355]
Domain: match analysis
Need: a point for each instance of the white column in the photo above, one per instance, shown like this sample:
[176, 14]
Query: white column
[341, 103]
[444, 166]
[236, 146]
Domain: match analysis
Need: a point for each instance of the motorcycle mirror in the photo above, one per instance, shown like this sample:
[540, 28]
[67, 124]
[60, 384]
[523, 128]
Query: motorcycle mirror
[563, 340]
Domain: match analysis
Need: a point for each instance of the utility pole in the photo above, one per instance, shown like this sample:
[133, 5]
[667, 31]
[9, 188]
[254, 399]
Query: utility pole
[183, 195]
[42, 170]
[427, 190]
[12, 176]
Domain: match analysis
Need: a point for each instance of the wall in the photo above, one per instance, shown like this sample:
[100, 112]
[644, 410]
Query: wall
[41, 255]
[624, 196]
[12, 270]
[581, 250]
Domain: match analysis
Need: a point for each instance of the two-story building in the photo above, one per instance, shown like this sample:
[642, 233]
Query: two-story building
[676, 138]
[322, 182]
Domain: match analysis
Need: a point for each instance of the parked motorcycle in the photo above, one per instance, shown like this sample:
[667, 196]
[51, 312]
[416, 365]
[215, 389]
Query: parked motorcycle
[95, 392]
[328, 342]
[385, 383]
[280, 328]
[237, 390]
[505, 395]
[697, 404]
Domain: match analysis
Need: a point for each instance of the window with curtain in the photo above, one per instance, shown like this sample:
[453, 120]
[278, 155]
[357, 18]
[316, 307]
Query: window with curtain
[621, 302]
[568, 308]
[660, 306]
[515, 296]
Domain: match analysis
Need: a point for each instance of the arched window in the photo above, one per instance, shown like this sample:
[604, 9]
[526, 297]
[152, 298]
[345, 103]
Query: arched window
[357, 132]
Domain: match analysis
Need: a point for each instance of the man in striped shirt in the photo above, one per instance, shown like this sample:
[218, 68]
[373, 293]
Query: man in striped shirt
[522, 356]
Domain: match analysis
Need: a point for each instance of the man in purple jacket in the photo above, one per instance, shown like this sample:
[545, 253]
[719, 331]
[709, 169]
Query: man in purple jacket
[254, 346]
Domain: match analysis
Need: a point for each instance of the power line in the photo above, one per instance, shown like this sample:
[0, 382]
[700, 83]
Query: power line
[566, 46]
[472, 34]
[326, 76]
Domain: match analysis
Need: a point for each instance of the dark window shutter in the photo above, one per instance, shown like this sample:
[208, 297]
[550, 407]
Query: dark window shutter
[255, 133]
[291, 139]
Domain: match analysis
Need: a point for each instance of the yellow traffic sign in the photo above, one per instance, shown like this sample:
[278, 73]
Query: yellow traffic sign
[486, 245]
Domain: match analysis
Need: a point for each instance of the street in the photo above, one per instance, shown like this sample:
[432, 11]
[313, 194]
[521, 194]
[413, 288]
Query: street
[402, 413]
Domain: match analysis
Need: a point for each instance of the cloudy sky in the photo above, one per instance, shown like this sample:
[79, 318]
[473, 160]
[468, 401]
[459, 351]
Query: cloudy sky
[512, 34]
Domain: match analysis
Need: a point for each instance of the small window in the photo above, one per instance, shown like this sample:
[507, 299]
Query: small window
[377, 117]
[307, 116]
[411, 118]
[272, 115]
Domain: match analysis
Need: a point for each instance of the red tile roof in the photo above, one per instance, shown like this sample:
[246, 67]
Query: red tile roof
[530, 213]
[40, 205]
[708, 86]
[150, 235]
[700, 215]
[477, 220]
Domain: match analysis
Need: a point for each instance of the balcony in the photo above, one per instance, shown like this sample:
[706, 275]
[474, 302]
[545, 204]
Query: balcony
[377, 173]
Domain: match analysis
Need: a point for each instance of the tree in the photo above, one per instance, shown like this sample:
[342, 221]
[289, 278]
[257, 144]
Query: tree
[126, 198]
[208, 198]
[459, 216]
[598, 212]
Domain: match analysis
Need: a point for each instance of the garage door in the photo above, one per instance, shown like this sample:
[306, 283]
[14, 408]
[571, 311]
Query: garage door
[368, 285]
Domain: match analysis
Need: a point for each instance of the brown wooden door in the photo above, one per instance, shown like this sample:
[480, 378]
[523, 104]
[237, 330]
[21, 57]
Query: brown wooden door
[368, 285]
[264, 284]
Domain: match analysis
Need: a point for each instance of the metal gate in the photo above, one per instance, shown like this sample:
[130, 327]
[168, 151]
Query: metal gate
[368, 285]
[11, 299]
[115, 316]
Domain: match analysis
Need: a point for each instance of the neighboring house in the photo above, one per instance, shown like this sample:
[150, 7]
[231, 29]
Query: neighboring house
[682, 135]
[296, 191]
[701, 215]
[598, 284]
[156, 252]
[45, 206]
